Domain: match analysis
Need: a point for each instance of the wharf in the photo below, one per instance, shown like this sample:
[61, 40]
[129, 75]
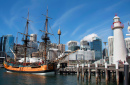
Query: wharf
[98, 69]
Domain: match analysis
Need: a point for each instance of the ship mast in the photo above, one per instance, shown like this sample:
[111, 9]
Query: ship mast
[26, 38]
[46, 38]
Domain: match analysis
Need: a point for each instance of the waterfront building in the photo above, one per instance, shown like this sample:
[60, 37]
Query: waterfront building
[33, 44]
[96, 45]
[84, 45]
[73, 45]
[34, 47]
[33, 37]
[53, 54]
[53, 45]
[7, 43]
[61, 47]
[110, 48]
[42, 46]
[119, 44]
[127, 44]
[105, 53]
[79, 56]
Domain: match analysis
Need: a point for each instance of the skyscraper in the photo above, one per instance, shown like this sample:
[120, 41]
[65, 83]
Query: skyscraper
[84, 45]
[61, 47]
[96, 45]
[7, 43]
[73, 45]
[110, 45]
[33, 43]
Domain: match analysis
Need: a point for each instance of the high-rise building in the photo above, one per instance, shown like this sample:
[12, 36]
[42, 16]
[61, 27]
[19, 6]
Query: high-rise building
[110, 48]
[7, 43]
[127, 44]
[110, 45]
[33, 44]
[34, 47]
[53, 45]
[84, 45]
[96, 45]
[105, 53]
[42, 46]
[61, 47]
[119, 43]
[33, 37]
[53, 54]
[73, 45]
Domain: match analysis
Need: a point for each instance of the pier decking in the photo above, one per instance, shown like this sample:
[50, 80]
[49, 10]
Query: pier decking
[98, 69]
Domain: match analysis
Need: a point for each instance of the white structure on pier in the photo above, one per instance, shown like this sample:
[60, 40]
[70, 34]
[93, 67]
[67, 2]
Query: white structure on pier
[127, 43]
[119, 43]
[110, 48]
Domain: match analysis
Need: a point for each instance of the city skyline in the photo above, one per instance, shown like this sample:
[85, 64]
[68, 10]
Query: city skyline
[76, 19]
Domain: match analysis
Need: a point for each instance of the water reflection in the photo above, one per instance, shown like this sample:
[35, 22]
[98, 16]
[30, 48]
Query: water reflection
[26, 79]
[31, 79]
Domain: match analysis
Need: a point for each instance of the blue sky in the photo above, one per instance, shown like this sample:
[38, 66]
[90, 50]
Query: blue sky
[76, 18]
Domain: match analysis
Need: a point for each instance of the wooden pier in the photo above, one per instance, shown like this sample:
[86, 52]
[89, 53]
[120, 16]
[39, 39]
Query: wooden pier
[98, 70]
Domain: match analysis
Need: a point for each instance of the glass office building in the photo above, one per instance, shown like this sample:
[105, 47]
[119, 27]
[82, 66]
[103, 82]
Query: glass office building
[96, 45]
[7, 43]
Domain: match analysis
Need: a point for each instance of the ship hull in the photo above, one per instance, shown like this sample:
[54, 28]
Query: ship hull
[50, 72]
[39, 70]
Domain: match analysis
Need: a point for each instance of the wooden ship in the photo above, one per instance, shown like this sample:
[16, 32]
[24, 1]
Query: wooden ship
[40, 68]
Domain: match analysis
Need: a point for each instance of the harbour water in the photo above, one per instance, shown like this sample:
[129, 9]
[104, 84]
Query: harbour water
[7, 78]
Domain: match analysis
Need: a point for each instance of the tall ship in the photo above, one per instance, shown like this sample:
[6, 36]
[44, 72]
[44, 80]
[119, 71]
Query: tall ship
[42, 67]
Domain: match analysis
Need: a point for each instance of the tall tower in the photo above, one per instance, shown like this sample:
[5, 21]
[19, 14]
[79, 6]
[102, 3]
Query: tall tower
[119, 44]
[59, 33]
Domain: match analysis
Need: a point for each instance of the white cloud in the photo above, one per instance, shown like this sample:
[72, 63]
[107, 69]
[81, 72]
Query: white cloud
[62, 35]
[81, 25]
[93, 29]
[89, 37]
[35, 31]
[65, 15]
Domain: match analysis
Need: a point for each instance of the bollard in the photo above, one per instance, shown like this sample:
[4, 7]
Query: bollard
[117, 73]
[83, 72]
[77, 71]
[126, 73]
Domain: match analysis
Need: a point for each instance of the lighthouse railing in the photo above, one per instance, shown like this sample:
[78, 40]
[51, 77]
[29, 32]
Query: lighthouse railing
[121, 25]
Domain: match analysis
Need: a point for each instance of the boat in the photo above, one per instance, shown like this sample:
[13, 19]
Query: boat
[35, 67]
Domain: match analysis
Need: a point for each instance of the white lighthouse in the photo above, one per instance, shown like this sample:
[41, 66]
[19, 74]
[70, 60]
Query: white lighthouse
[119, 43]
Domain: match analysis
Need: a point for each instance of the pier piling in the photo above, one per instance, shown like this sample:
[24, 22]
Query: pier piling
[89, 73]
[96, 72]
[117, 73]
[106, 73]
[99, 74]
[83, 72]
[126, 73]
[77, 71]
[86, 74]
